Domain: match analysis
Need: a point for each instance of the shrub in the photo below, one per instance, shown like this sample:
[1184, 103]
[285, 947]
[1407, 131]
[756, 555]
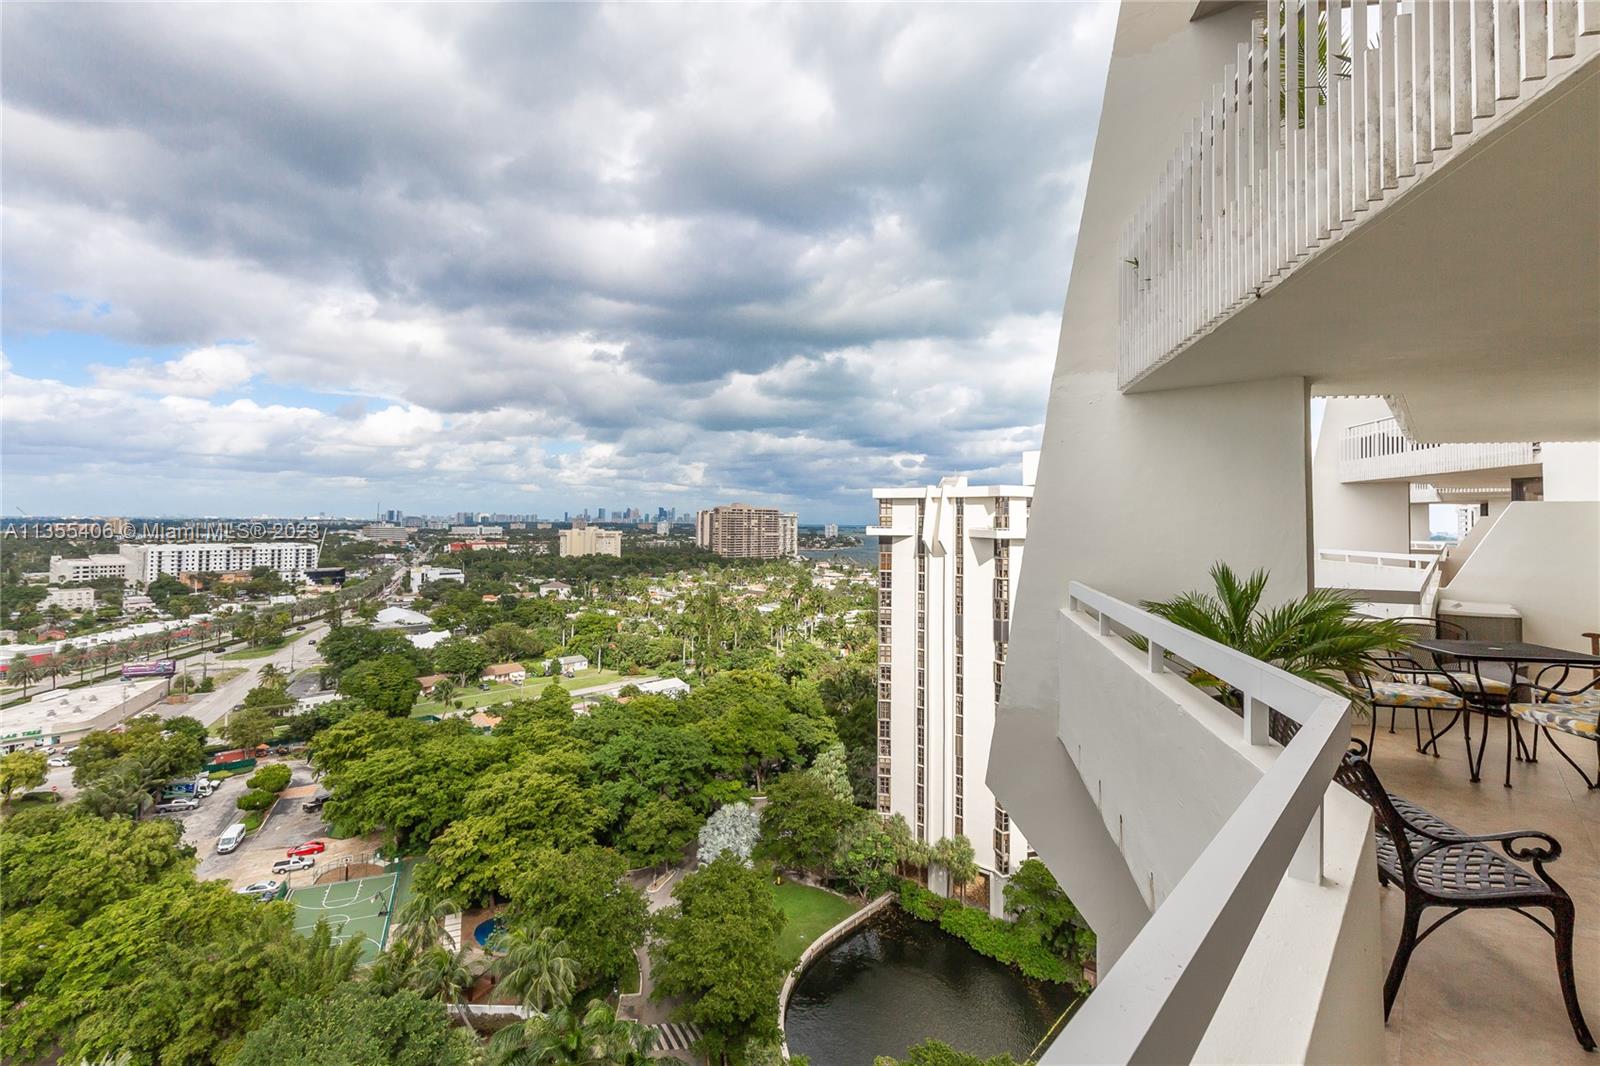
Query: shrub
[255, 801]
[998, 939]
[220, 775]
[274, 778]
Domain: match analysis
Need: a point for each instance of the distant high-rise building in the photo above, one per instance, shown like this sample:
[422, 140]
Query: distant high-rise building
[590, 540]
[947, 556]
[599, 514]
[738, 530]
[663, 528]
[830, 530]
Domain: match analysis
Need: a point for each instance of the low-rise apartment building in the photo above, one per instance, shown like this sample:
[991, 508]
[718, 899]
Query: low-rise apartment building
[70, 599]
[69, 571]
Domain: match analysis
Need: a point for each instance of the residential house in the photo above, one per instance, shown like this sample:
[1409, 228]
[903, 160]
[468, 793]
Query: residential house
[512, 673]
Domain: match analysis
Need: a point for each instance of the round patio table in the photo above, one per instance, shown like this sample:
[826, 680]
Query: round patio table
[1515, 654]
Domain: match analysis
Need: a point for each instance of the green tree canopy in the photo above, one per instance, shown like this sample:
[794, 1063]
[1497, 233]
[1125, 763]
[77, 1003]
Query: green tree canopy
[358, 1026]
[582, 895]
[533, 803]
[387, 684]
[659, 831]
[803, 821]
[717, 947]
[22, 770]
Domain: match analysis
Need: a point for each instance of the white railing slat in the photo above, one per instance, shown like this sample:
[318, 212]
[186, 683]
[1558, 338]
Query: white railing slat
[1508, 50]
[1535, 40]
[1483, 79]
[1563, 28]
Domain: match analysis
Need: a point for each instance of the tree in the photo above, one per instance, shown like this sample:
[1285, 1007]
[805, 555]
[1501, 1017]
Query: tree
[22, 770]
[581, 895]
[802, 822]
[746, 720]
[358, 1026]
[461, 658]
[248, 727]
[1040, 907]
[507, 814]
[443, 691]
[22, 671]
[830, 768]
[717, 948]
[955, 854]
[272, 676]
[733, 827]
[127, 788]
[445, 974]
[867, 856]
[509, 642]
[533, 965]
[409, 791]
[596, 1037]
[178, 972]
[658, 831]
[64, 858]
[938, 1053]
[387, 684]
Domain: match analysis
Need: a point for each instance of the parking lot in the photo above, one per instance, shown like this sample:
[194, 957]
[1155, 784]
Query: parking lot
[287, 826]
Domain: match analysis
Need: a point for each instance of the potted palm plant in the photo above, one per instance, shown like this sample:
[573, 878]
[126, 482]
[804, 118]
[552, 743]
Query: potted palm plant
[1318, 636]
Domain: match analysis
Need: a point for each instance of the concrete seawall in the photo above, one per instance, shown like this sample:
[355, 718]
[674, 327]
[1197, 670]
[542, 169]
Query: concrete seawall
[817, 947]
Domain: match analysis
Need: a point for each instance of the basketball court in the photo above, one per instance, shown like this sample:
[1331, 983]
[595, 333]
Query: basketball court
[361, 906]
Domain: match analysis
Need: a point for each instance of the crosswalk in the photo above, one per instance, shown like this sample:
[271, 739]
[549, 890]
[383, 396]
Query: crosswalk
[675, 1036]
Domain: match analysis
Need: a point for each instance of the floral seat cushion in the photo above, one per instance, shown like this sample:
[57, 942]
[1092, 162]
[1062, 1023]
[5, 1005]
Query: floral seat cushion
[1579, 720]
[1586, 698]
[1406, 694]
[1491, 686]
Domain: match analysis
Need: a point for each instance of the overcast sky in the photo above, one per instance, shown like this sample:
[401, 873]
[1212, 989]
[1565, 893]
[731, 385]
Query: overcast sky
[285, 260]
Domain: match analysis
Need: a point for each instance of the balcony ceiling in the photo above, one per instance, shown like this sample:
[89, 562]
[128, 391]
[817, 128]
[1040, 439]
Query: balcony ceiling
[1473, 301]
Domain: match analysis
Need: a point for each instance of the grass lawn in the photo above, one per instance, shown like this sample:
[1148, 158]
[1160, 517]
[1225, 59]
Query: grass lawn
[528, 690]
[811, 912]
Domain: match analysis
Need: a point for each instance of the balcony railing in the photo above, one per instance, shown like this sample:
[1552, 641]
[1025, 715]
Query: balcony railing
[1158, 999]
[1379, 451]
[1385, 583]
[1248, 197]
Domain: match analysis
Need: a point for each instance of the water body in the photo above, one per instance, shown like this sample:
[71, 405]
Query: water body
[863, 554]
[897, 981]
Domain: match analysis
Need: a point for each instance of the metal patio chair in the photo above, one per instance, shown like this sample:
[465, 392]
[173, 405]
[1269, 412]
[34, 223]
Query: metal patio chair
[1438, 865]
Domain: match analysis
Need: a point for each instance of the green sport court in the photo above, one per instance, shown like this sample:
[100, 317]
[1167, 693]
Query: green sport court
[360, 906]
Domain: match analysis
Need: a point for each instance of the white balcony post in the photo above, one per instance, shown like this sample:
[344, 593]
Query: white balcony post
[1307, 862]
[1257, 721]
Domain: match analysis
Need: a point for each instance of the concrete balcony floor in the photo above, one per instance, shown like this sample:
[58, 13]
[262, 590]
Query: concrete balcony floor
[1483, 988]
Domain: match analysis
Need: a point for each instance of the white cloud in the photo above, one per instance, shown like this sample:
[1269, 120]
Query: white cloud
[793, 251]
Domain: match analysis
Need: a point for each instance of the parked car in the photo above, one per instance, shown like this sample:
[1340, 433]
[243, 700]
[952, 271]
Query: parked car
[60, 760]
[175, 806]
[314, 804]
[299, 862]
[310, 847]
[231, 838]
[263, 890]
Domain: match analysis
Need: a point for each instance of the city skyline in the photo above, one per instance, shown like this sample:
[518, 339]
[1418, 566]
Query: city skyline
[504, 254]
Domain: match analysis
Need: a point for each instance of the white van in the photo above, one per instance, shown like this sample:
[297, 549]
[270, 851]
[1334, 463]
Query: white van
[231, 838]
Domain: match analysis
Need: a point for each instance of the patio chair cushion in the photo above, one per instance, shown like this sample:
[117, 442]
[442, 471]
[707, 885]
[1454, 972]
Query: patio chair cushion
[1492, 686]
[1405, 694]
[1586, 698]
[1579, 720]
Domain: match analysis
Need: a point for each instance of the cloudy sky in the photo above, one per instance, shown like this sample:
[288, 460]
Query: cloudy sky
[285, 260]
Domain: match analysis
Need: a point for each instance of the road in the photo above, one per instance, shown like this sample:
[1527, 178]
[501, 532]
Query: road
[211, 706]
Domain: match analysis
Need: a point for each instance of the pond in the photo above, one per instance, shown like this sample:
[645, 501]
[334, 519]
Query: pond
[897, 981]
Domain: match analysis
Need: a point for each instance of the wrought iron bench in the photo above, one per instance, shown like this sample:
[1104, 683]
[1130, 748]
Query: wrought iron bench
[1438, 865]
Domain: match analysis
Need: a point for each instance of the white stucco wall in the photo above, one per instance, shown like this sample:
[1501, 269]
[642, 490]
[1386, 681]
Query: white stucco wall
[1544, 560]
[1137, 495]
[1370, 516]
[1571, 471]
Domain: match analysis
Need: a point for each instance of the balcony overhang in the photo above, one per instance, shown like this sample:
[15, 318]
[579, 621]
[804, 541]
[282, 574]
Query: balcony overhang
[1466, 292]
